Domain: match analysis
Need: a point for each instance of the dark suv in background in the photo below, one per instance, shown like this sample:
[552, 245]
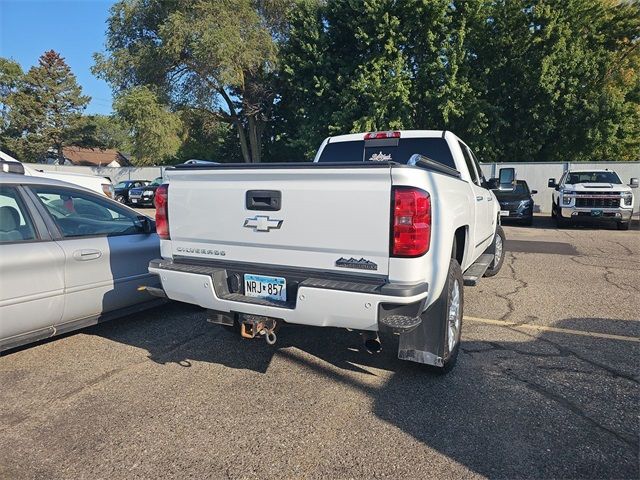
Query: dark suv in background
[122, 189]
[144, 196]
[516, 204]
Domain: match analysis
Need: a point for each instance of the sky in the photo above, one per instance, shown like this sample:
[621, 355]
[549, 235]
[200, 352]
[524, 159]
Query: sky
[73, 28]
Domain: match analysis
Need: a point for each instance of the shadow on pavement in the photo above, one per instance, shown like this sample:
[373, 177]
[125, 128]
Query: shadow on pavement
[548, 406]
[546, 222]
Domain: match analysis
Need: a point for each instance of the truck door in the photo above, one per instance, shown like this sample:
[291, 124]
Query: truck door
[483, 228]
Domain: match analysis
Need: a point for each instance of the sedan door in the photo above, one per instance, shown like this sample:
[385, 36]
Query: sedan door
[31, 272]
[107, 251]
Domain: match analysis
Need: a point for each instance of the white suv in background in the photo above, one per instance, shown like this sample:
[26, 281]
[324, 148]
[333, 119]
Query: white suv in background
[100, 185]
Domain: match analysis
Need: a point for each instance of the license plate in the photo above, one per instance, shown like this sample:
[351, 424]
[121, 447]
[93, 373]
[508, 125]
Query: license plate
[596, 213]
[134, 200]
[504, 213]
[272, 288]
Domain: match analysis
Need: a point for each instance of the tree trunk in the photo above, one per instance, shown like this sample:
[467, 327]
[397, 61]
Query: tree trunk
[254, 139]
[243, 142]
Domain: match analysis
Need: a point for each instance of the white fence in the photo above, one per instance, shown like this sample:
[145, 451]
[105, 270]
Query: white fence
[536, 174]
[114, 174]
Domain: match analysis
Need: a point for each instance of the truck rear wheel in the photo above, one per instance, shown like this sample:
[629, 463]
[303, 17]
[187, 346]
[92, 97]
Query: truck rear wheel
[497, 248]
[453, 299]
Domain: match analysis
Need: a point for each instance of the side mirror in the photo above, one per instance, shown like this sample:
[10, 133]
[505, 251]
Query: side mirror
[533, 192]
[11, 167]
[507, 179]
[633, 183]
[552, 183]
[145, 224]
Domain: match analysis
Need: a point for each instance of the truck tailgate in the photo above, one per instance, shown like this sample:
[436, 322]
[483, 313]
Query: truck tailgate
[333, 218]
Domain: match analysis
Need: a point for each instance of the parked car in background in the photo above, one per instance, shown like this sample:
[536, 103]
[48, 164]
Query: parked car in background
[592, 195]
[122, 189]
[69, 258]
[144, 196]
[516, 204]
[101, 185]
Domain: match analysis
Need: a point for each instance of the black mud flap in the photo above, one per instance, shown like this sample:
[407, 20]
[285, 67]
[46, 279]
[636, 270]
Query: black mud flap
[425, 343]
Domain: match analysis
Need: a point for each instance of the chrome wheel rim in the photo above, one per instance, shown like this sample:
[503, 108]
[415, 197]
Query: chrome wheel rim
[498, 250]
[454, 319]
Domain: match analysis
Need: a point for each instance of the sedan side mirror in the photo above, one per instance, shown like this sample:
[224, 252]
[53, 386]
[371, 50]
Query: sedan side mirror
[634, 183]
[11, 167]
[552, 183]
[533, 192]
[145, 224]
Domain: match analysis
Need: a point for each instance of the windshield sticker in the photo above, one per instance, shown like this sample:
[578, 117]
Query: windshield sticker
[380, 157]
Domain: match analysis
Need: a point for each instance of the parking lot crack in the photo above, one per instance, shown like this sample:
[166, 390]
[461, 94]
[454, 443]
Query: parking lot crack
[520, 285]
[554, 397]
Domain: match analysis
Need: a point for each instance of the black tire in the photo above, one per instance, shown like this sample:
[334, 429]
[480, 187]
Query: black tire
[553, 209]
[120, 199]
[561, 222]
[452, 324]
[497, 248]
[623, 225]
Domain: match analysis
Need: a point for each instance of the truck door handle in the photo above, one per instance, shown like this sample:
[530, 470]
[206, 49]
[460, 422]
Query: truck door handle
[86, 254]
[479, 197]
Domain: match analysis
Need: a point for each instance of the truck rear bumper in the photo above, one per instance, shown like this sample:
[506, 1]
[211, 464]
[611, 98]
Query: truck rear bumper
[332, 301]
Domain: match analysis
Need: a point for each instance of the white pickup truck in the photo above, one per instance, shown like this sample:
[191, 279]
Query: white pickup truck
[592, 195]
[379, 233]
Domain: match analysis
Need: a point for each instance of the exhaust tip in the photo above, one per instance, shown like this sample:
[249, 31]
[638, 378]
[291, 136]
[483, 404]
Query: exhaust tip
[371, 342]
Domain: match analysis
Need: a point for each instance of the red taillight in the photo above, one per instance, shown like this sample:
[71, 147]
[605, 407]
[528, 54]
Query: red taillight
[378, 135]
[411, 222]
[161, 202]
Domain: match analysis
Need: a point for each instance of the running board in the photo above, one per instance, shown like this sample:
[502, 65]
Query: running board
[476, 271]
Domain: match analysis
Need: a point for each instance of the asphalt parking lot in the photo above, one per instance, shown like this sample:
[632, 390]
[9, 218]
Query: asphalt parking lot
[546, 387]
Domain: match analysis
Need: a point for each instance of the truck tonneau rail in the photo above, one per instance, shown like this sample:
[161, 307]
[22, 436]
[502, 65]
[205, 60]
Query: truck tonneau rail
[297, 165]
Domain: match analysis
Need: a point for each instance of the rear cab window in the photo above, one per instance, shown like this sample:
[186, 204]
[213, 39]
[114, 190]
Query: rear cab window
[397, 150]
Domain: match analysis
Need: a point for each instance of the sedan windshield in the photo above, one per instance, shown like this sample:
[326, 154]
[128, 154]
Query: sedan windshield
[592, 177]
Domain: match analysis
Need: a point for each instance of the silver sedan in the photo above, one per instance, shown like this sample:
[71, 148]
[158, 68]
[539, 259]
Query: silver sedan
[68, 258]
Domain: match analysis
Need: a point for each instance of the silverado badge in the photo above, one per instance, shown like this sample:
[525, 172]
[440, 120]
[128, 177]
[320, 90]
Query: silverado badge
[362, 264]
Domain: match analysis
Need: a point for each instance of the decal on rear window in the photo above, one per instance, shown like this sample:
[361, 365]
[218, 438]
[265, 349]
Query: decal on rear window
[380, 157]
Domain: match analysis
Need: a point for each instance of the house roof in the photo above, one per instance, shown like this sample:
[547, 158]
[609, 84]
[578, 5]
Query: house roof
[94, 156]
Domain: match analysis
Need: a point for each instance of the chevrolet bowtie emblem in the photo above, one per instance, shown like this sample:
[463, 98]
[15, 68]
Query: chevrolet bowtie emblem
[262, 223]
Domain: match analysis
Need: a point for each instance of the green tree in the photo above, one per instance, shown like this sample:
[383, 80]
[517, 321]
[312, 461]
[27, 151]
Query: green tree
[554, 82]
[102, 131]
[11, 76]
[343, 68]
[519, 81]
[156, 132]
[45, 110]
[213, 56]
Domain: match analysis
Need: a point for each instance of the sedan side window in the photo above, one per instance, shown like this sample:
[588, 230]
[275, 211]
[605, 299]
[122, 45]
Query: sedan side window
[79, 214]
[15, 223]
